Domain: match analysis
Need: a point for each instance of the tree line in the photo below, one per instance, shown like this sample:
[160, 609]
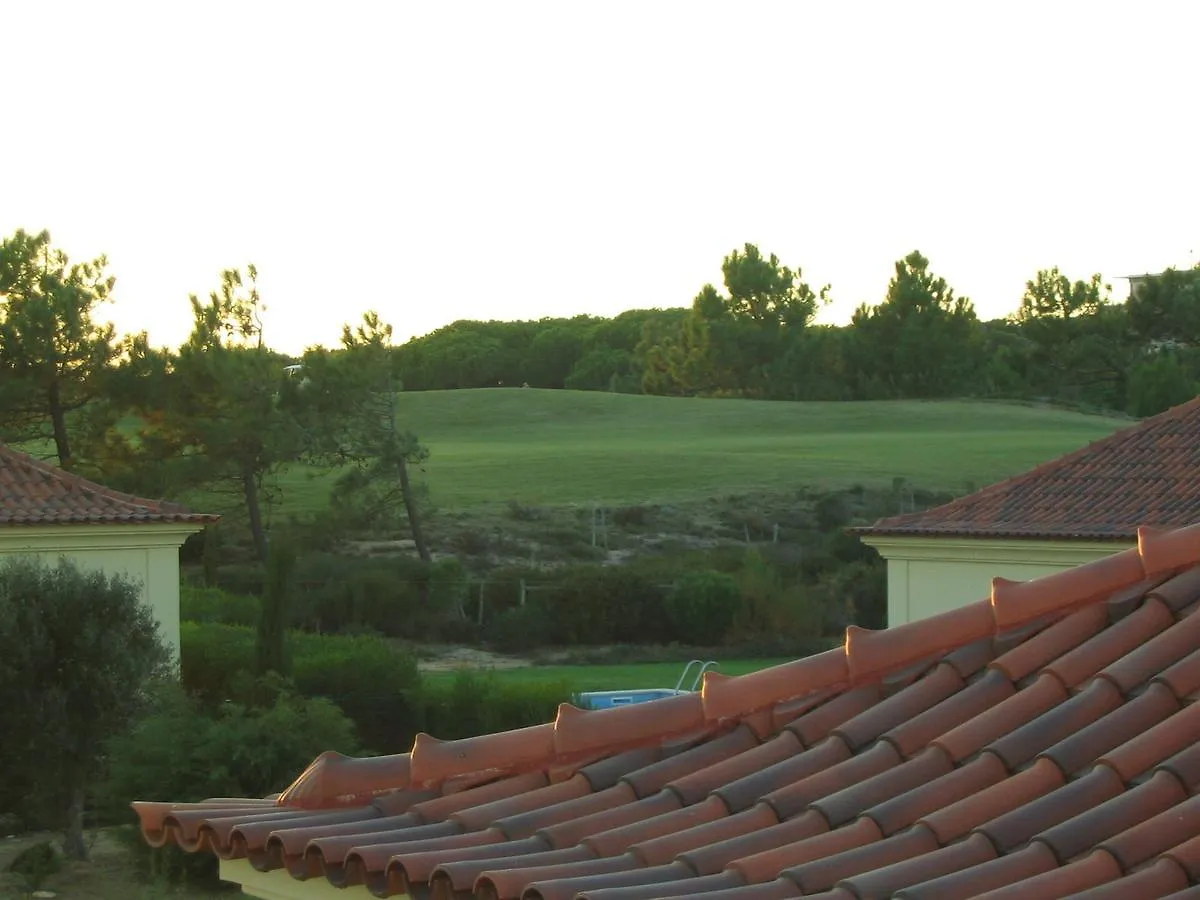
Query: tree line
[221, 411]
[1067, 341]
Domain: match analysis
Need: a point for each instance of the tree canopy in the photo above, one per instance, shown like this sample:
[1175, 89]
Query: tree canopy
[54, 355]
[77, 650]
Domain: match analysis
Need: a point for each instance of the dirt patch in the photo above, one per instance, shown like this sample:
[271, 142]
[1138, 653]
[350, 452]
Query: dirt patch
[471, 658]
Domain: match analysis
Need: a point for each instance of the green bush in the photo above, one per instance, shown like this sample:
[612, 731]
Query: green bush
[771, 605]
[520, 629]
[480, 703]
[241, 578]
[1159, 382]
[375, 684]
[213, 658]
[347, 594]
[606, 605]
[204, 604]
[183, 752]
[701, 607]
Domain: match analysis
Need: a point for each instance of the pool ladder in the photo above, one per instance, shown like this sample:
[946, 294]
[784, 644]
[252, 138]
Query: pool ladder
[705, 665]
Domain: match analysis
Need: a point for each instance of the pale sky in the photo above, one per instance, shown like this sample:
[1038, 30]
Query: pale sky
[438, 161]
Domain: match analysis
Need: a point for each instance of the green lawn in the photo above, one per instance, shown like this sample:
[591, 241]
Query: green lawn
[615, 677]
[546, 447]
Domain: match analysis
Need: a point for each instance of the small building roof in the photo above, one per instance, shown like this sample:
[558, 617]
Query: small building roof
[1148, 474]
[33, 492]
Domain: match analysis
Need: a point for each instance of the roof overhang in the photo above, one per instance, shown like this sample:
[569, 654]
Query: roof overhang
[993, 549]
[44, 538]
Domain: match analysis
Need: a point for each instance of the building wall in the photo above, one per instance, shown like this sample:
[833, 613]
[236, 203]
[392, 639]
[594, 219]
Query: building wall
[149, 554]
[928, 575]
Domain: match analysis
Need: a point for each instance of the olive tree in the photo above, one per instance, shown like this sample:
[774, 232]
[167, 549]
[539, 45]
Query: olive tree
[78, 650]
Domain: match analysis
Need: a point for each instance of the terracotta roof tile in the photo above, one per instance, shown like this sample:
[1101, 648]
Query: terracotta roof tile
[33, 492]
[1042, 742]
[1141, 475]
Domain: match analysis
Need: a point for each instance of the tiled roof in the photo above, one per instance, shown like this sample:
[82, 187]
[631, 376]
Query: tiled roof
[36, 493]
[1142, 475]
[1040, 742]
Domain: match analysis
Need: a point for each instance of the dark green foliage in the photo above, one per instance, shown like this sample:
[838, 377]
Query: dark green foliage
[377, 685]
[918, 341]
[242, 578]
[35, 864]
[520, 629]
[54, 357]
[1162, 380]
[1167, 308]
[184, 751]
[774, 604]
[211, 554]
[701, 607]
[270, 650]
[215, 659]
[77, 650]
[604, 605]
[343, 593]
[479, 703]
[213, 605]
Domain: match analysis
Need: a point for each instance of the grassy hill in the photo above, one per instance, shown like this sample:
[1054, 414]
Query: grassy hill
[557, 447]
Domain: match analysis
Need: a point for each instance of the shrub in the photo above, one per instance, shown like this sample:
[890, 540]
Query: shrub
[520, 629]
[476, 703]
[76, 651]
[1159, 382]
[701, 607]
[341, 593]
[375, 684]
[632, 516]
[205, 604]
[182, 752]
[241, 578]
[213, 657]
[771, 606]
[856, 593]
[604, 605]
[35, 864]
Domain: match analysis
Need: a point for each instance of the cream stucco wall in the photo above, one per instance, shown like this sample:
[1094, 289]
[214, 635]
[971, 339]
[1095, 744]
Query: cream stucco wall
[929, 575]
[149, 554]
[279, 885]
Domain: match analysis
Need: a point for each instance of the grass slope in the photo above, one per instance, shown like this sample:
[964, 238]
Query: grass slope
[557, 447]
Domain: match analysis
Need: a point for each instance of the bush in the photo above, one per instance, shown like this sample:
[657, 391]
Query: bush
[1159, 382]
[181, 752]
[771, 606]
[375, 684]
[242, 578]
[856, 593]
[476, 703]
[213, 658]
[209, 605]
[520, 629]
[35, 864]
[605, 605]
[341, 593]
[76, 651]
[701, 607]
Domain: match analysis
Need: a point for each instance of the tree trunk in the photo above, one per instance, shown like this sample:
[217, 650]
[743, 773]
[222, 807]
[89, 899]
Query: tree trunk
[250, 491]
[414, 514]
[58, 417]
[74, 845]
